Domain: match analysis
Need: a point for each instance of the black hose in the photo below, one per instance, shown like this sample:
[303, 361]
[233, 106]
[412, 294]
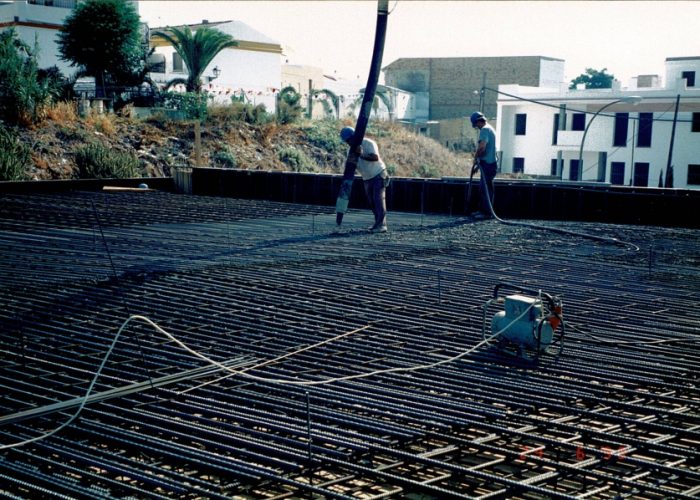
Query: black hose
[603, 239]
[365, 111]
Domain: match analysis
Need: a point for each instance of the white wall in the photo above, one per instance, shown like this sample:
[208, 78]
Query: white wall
[676, 66]
[255, 73]
[551, 72]
[45, 25]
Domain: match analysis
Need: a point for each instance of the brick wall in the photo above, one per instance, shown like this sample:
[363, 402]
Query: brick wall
[454, 82]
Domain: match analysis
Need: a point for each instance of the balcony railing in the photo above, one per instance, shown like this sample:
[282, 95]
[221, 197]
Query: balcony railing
[64, 4]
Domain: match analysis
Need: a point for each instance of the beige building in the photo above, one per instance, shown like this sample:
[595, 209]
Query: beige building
[453, 87]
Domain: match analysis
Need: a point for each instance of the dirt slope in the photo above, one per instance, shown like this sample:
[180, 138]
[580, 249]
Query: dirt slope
[161, 144]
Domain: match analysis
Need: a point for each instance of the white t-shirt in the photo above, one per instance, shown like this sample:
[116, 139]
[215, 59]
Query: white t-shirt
[370, 169]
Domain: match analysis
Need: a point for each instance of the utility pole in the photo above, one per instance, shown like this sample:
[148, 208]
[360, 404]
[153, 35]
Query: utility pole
[669, 163]
[481, 93]
[311, 98]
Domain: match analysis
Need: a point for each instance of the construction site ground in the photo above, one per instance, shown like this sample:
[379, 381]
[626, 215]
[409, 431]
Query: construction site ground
[160, 345]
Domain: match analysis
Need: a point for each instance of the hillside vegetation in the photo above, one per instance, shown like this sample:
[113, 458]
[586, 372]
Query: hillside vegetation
[64, 145]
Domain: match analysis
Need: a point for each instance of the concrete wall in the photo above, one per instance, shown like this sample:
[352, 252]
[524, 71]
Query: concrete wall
[514, 199]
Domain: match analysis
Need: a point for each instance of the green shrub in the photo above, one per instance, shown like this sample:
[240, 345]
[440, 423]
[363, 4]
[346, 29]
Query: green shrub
[427, 171]
[224, 158]
[97, 162]
[288, 108]
[240, 111]
[295, 158]
[325, 134]
[160, 118]
[14, 156]
[374, 130]
[191, 104]
[24, 91]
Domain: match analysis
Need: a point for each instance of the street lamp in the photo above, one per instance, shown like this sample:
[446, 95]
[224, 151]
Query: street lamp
[217, 73]
[632, 99]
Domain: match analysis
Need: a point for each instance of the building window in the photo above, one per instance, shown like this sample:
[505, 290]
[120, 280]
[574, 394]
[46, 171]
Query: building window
[518, 165]
[573, 170]
[641, 174]
[578, 122]
[694, 175]
[555, 129]
[520, 123]
[689, 78]
[695, 127]
[621, 125]
[553, 170]
[177, 62]
[156, 63]
[617, 173]
[646, 120]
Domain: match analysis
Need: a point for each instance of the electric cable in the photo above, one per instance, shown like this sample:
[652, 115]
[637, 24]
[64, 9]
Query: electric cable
[612, 153]
[84, 399]
[556, 106]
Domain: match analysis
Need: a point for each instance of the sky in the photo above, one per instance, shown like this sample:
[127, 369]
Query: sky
[628, 38]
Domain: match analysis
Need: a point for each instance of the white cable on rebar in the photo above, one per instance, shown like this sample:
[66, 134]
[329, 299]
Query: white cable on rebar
[253, 377]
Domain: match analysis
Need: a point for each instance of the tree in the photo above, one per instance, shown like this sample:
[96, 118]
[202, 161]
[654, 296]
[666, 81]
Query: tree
[594, 79]
[197, 51]
[104, 38]
[328, 95]
[25, 90]
[382, 95]
[288, 108]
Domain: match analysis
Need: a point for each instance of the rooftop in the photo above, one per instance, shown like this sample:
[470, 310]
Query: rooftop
[393, 392]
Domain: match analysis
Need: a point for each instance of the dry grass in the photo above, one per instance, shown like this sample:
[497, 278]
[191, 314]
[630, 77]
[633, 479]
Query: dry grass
[161, 142]
[408, 154]
[104, 123]
[63, 112]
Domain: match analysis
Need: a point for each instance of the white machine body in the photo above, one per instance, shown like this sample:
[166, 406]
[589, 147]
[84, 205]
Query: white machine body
[523, 331]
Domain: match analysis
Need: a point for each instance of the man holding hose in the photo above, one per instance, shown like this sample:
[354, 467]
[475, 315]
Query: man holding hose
[374, 175]
[488, 163]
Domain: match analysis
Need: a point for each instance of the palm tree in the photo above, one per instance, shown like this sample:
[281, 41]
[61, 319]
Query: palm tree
[330, 96]
[382, 94]
[288, 108]
[197, 51]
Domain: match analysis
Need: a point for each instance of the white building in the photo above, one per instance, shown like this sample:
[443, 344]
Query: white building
[39, 21]
[251, 70]
[602, 135]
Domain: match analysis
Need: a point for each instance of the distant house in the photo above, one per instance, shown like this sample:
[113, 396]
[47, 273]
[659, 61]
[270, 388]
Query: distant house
[250, 71]
[596, 135]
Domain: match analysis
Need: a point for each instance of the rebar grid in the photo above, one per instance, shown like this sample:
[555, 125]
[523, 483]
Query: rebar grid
[615, 415]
